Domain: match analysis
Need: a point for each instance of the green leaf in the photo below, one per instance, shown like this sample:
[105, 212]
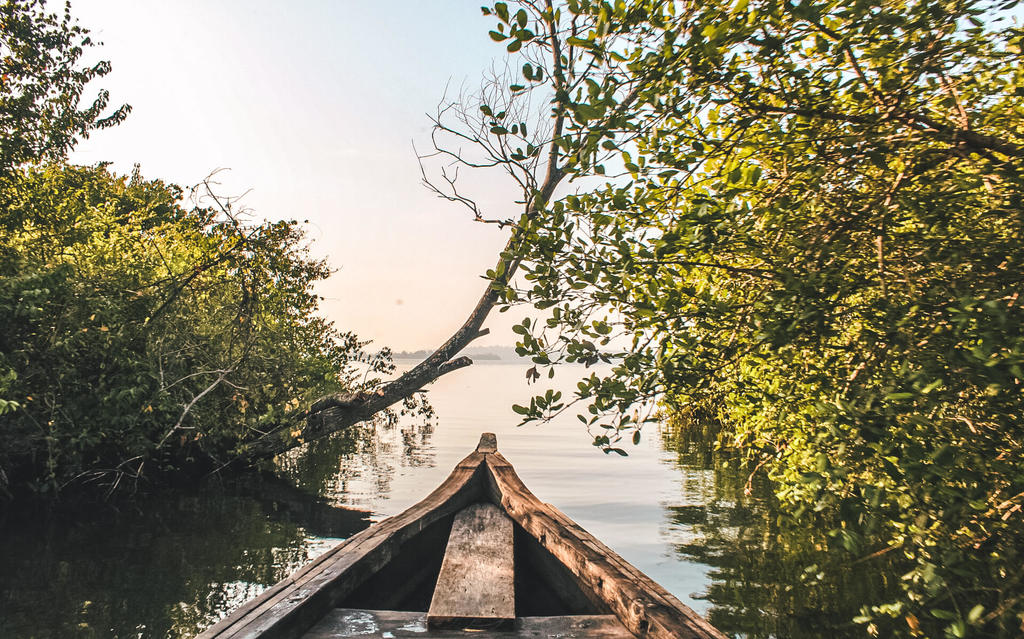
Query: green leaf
[975, 613]
[944, 455]
[898, 396]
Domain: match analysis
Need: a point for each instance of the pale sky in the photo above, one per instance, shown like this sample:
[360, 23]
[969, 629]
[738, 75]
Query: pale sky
[314, 106]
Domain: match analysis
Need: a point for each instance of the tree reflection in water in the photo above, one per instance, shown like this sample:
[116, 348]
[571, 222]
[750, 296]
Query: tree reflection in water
[170, 565]
[770, 575]
[356, 466]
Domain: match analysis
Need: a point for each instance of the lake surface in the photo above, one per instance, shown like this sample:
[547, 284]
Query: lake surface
[171, 565]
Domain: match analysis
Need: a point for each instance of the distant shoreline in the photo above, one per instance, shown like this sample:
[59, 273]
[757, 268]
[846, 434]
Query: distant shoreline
[478, 353]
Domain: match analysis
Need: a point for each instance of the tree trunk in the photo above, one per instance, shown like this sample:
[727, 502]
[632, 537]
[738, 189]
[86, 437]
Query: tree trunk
[331, 414]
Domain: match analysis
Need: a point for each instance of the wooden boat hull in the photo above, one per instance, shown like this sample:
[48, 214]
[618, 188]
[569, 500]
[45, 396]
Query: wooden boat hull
[561, 569]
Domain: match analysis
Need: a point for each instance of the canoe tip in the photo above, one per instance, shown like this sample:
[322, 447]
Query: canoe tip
[488, 443]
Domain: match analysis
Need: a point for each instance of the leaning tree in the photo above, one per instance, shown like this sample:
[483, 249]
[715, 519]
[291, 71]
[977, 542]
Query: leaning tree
[801, 221]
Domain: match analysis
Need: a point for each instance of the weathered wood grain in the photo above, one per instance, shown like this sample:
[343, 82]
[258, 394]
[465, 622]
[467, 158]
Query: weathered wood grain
[346, 623]
[645, 608]
[476, 587]
[488, 443]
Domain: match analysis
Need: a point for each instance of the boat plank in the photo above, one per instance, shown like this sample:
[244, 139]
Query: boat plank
[488, 443]
[346, 622]
[476, 587]
[644, 607]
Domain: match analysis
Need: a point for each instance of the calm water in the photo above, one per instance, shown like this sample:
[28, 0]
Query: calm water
[170, 566]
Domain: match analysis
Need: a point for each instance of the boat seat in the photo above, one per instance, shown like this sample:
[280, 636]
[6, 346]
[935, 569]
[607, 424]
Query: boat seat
[476, 586]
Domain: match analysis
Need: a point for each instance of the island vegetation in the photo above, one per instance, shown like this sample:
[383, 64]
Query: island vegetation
[793, 225]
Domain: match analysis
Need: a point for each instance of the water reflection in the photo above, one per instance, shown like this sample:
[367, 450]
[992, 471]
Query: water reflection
[170, 565]
[769, 576]
[356, 467]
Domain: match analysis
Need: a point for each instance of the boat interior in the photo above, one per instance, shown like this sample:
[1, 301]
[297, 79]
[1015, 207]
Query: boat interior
[502, 583]
[480, 556]
[543, 587]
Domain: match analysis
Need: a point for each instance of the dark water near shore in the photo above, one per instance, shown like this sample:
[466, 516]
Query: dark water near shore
[171, 565]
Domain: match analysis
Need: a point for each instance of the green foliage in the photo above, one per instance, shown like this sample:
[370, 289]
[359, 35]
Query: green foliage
[143, 336]
[42, 85]
[809, 221]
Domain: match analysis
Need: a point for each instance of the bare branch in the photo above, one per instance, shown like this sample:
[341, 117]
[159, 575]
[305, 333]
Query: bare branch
[193, 402]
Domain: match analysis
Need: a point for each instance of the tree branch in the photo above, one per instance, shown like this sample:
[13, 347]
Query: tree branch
[335, 413]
